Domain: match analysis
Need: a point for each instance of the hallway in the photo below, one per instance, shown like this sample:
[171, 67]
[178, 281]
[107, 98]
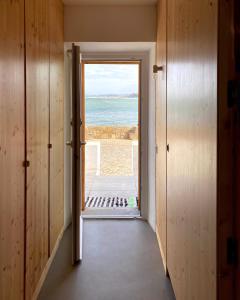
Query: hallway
[121, 260]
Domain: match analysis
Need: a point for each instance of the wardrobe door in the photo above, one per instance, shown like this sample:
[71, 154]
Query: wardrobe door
[37, 106]
[192, 157]
[11, 149]
[56, 121]
[161, 130]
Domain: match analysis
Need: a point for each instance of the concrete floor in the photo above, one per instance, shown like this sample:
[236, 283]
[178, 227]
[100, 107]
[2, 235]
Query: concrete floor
[108, 212]
[121, 261]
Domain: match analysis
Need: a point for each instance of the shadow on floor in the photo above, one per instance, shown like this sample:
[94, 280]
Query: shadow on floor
[121, 261]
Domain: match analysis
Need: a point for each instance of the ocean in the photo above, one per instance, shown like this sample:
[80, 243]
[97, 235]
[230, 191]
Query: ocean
[111, 111]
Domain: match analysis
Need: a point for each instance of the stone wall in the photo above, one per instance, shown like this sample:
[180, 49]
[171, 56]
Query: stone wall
[110, 132]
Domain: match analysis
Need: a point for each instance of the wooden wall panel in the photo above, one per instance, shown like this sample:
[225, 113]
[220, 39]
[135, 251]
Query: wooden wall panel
[37, 98]
[161, 129]
[192, 159]
[56, 121]
[225, 148]
[11, 149]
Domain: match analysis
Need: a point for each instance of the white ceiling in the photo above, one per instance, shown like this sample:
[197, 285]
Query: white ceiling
[109, 2]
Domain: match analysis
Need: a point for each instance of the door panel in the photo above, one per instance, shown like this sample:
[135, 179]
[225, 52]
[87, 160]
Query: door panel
[37, 106]
[76, 155]
[161, 130]
[12, 149]
[192, 156]
[56, 121]
[237, 141]
[225, 149]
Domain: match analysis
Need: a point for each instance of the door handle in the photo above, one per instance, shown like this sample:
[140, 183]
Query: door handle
[69, 143]
[156, 69]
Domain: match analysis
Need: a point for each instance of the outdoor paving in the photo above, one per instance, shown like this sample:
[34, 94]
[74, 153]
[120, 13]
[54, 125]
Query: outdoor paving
[112, 185]
[111, 171]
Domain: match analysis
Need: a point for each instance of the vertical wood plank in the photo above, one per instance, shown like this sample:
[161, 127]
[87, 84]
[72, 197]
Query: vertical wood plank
[225, 149]
[56, 120]
[161, 130]
[236, 16]
[192, 159]
[11, 149]
[37, 102]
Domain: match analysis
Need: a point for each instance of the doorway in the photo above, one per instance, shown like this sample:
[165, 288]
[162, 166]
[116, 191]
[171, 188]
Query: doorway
[111, 118]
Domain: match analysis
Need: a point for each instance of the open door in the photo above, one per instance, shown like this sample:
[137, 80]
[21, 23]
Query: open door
[76, 157]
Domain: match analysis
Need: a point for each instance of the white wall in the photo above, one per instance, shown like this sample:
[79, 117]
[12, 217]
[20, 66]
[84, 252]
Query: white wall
[152, 142]
[146, 51]
[110, 23]
[67, 137]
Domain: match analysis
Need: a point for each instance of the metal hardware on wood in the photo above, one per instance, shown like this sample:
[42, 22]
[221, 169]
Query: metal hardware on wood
[82, 143]
[168, 148]
[26, 163]
[232, 251]
[49, 146]
[156, 69]
[69, 143]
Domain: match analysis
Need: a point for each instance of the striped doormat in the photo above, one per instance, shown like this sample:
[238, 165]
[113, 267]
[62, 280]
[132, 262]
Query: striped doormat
[111, 202]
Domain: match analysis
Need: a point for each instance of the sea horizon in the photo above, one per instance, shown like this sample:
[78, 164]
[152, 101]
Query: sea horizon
[112, 110]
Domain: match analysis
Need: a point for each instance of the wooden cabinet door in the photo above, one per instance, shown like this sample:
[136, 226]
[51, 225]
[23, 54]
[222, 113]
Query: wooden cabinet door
[56, 121]
[192, 157]
[37, 135]
[161, 130]
[11, 149]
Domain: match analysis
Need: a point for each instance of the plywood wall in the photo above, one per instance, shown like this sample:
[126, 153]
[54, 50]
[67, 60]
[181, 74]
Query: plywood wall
[161, 131]
[11, 149]
[37, 135]
[192, 137]
[31, 117]
[56, 121]
[225, 152]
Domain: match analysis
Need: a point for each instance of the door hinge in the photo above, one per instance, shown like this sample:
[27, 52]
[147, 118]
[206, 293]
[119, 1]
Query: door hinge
[26, 163]
[232, 251]
[49, 146]
[168, 148]
[234, 94]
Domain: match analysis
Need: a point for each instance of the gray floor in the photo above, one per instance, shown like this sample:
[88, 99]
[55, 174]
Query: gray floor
[121, 261]
[108, 212]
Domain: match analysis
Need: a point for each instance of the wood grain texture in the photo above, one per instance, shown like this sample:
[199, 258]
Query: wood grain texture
[37, 105]
[161, 130]
[237, 142]
[192, 136]
[225, 149]
[11, 149]
[56, 120]
[47, 266]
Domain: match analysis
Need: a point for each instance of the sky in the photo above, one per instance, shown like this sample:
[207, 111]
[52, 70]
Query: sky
[111, 79]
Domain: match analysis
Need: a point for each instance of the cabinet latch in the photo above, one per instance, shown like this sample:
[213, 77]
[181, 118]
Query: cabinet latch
[26, 163]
